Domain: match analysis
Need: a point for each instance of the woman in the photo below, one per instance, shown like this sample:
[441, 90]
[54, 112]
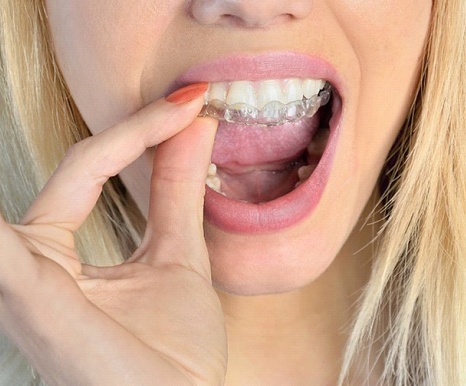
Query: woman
[297, 267]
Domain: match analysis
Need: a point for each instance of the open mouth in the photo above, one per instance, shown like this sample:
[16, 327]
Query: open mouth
[271, 137]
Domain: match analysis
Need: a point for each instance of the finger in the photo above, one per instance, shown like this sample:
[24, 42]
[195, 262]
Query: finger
[72, 192]
[18, 266]
[175, 227]
[11, 268]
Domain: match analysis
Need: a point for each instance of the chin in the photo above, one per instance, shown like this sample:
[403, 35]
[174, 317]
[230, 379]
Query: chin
[276, 262]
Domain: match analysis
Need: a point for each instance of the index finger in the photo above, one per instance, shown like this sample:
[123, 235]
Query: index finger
[73, 190]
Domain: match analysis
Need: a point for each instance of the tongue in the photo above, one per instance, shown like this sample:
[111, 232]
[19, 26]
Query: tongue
[256, 163]
[240, 145]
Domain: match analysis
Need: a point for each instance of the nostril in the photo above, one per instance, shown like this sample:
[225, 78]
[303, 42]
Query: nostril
[236, 21]
[231, 21]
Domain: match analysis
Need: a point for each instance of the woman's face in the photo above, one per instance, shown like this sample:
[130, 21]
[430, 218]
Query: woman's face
[265, 235]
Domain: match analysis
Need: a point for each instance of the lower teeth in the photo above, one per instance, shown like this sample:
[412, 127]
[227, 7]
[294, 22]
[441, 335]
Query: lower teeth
[212, 180]
[272, 114]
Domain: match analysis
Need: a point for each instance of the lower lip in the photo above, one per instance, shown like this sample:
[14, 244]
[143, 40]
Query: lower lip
[283, 212]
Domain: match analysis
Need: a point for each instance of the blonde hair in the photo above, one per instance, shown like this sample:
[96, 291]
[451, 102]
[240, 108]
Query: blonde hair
[38, 123]
[418, 277]
[40, 119]
[415, 301]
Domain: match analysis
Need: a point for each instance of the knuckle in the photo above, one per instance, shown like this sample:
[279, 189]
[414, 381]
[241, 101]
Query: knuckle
[176, 174]
[84, 158]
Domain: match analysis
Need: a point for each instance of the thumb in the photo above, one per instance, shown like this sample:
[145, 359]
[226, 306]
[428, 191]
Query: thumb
[175, 231]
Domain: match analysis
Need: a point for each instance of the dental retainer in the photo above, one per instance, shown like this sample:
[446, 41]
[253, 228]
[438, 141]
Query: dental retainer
[272, 114]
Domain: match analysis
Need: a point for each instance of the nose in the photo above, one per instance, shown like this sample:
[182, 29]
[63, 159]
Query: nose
[248, 13]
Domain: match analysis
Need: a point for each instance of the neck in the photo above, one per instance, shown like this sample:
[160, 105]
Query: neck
[298, 337]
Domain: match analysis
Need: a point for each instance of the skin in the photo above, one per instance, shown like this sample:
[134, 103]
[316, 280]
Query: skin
[362, 40]
[120, 57]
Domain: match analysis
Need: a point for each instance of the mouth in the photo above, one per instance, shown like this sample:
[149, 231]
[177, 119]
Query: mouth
[282, 127]
[273, 150]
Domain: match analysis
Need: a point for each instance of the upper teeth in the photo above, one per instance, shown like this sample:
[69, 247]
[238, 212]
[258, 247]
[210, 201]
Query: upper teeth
[259, 93]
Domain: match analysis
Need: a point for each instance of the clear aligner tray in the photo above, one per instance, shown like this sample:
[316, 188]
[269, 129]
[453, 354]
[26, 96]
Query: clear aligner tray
[272, 114]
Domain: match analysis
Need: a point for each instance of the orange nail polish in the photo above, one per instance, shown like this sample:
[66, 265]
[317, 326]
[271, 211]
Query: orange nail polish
[187, 93]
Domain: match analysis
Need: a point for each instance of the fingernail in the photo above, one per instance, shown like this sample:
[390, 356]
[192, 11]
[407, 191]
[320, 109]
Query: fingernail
[187, 93]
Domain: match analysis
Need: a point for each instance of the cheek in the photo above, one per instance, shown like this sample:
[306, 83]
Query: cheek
[102, 48]
[388, 38]
[389, 42]
[383, 27]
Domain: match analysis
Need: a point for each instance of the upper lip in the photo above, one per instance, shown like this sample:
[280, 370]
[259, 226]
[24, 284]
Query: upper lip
[269, 65]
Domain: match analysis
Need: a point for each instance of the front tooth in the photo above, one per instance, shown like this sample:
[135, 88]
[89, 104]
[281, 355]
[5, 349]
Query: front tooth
[212, 170]
[293, 90]
[320, 83]
[214, 183]
[312, 87]
[218, 91]
[241, 92]
[269, 91]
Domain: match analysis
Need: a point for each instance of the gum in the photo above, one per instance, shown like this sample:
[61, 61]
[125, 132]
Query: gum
[273, 114]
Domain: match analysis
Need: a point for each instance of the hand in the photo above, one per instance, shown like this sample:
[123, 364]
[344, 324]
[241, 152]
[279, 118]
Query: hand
[152, 320]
